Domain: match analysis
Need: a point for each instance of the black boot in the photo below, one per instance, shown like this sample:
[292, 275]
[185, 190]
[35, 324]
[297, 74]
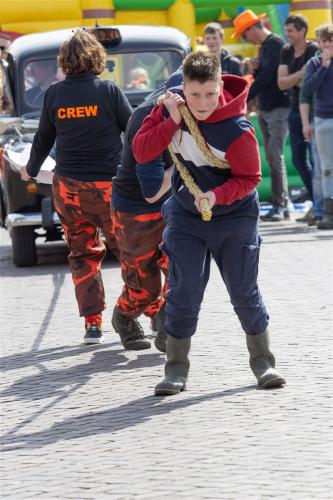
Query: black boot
[130, 331]
[161, 337]
[176, 367]
[327, 221]
[262, 361]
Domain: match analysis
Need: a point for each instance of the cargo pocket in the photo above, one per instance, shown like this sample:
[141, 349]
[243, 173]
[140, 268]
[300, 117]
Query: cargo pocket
[131, 277]
[250, 264]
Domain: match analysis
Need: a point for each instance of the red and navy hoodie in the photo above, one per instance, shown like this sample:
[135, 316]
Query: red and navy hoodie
[227, 133]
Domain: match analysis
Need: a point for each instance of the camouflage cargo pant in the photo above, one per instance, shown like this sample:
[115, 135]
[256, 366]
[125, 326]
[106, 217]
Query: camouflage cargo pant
[84, 209]
[142, 262]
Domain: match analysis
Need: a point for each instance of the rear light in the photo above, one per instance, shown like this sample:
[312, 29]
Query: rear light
[106, 36]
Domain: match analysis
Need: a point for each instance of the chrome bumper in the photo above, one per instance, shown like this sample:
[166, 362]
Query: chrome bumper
[27, 219]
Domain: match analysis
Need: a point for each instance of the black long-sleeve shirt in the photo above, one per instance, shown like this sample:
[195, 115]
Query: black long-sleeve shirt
[86, 116]
[133, 183]
[265, 78]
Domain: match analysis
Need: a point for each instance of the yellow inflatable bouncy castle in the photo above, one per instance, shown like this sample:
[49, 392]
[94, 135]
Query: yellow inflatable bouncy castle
[189, 16]
[19, 17]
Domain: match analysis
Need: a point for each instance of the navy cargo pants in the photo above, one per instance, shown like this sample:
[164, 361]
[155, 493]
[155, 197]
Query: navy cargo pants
[233, 241]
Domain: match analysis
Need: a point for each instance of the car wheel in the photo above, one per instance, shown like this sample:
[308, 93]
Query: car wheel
[23, 246]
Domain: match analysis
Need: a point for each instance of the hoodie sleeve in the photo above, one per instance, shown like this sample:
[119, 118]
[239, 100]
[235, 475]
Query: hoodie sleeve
[269, 61]
[243, 156]
[314, 74]
[123, 108]
[43, 140]
[154, 136]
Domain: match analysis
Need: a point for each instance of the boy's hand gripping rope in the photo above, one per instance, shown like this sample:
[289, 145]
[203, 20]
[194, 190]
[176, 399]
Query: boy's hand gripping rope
[206, 212]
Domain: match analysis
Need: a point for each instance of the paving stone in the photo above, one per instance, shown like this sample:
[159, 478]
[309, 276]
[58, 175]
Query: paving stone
[82, 423]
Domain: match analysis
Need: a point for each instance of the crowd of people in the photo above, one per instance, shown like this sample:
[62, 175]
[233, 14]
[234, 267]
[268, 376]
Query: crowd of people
[180, 188]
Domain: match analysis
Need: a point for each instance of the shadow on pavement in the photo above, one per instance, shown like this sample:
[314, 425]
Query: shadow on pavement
[32, 358]
[49, 260]
[111, 421]
[51, 383]
[286, 229]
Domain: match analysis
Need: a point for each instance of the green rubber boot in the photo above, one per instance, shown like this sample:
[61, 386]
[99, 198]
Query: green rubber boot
[161, 337]
[176, 367]
[262, 361]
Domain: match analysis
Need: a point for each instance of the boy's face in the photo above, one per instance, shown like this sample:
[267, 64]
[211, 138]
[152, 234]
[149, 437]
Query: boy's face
[326, 44]
[202, 98]
[213, 41]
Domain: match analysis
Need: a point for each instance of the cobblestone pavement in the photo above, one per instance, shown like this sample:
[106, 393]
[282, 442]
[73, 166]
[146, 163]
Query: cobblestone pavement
[81, 422]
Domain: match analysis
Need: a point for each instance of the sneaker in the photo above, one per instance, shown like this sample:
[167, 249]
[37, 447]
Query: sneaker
[308, 217]
[93, 334]
[275, 214]
[161, 337]
[130, 331]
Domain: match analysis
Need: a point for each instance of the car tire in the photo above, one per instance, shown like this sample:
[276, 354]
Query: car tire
[24, 246]
[2, 209]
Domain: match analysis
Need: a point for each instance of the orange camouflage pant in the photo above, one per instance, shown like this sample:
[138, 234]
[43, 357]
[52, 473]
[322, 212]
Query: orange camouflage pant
[84, 209]
[142, 262]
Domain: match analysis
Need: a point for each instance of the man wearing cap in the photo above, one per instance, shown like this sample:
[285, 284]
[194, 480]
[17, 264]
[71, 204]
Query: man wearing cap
[273, 105]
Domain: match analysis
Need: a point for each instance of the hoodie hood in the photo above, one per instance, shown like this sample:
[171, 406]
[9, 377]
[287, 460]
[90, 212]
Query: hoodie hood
[233, 99]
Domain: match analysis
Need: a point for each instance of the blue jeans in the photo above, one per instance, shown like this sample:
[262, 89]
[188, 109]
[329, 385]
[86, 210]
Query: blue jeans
[316, 178]
[300, 150]
[324, 138]
[273, 125]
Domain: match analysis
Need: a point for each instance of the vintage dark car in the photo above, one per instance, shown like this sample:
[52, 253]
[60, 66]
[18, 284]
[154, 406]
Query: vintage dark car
[139, 59]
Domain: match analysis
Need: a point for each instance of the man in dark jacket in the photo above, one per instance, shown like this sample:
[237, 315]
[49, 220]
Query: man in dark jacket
[137, 198]
[273, 106]
[213, 38]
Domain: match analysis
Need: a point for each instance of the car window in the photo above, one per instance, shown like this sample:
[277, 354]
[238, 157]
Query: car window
[38, 76]
[141, 70]
[6, 104]
[137, 71]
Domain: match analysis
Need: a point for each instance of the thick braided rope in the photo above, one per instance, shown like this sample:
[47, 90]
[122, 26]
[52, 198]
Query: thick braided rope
[195, 132]
[205, 211]
[189, 182]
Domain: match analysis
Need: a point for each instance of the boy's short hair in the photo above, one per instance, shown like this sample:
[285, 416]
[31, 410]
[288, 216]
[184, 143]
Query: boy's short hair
[325, 32]
[299, 21]
[82, 53]
[212, 28]
[201, 66]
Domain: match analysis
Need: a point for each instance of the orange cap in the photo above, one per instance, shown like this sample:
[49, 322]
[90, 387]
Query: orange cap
[244, 21]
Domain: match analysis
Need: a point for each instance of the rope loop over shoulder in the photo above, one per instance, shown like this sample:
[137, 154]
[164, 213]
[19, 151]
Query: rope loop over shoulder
[206, 212]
